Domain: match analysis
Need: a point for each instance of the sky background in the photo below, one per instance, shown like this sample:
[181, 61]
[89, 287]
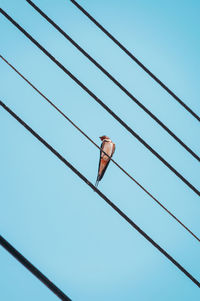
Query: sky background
[47, 213]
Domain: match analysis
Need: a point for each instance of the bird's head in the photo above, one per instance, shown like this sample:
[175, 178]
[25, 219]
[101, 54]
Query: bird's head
[104, 137]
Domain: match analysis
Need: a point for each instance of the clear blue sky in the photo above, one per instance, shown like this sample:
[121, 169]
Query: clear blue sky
[47, 212]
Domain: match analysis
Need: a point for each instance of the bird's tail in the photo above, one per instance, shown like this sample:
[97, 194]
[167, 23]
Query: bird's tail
[97, 181]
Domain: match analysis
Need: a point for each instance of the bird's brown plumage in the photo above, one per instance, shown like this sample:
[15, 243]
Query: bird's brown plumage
[108, 147]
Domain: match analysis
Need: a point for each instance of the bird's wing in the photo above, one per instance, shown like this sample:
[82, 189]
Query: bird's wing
[102, 146]
[104, 163]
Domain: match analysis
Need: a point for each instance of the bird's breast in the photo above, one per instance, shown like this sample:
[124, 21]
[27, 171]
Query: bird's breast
[108, 150]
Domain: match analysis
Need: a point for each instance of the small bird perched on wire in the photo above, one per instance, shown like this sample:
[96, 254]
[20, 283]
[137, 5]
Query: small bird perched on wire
[108, 147]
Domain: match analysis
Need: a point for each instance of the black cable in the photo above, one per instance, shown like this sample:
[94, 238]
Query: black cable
[114, 80]
[136, 60]
[29, 266]
[121, 213]
[84, 134]
[101, 103]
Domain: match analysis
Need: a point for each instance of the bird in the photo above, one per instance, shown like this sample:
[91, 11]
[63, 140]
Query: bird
[109, 148]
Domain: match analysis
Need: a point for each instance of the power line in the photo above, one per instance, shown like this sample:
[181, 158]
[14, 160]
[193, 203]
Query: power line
[114, 80]
[29, 266]
[101, 103]
[122, 169]
[108, 201]
[139, 63]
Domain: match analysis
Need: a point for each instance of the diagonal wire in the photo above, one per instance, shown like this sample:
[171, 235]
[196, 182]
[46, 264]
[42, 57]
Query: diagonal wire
[108, 201]
[139, 63]
[121, 168]
[29, 266]
[128, 128]
[115, 81]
